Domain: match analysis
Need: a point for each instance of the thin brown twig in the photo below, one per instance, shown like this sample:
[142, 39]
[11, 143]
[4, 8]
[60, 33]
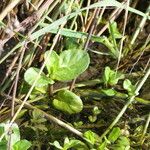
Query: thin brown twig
[112, 17]
[17, 77]
[92, 28]
[28, 22]
[10, 68]
[8, 8]
[14, 92]
[90, 22]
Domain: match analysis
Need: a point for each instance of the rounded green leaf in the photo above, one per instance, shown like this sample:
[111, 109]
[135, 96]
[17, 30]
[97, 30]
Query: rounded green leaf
[114, 134]
[114, 30]
[52, 61]
[127, 85]
[91, 137]
[111, 77]
[68, 102]
[68, 65]
[22, 145]
[123, 141]
[106, 74]
[32, 73]
[72, 63]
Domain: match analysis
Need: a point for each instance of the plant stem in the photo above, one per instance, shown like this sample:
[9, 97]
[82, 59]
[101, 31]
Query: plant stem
[145, 129]
[141, 25]
[51, 90]
[123, 34]
[47, 116]
[9, 7]
[14, 93]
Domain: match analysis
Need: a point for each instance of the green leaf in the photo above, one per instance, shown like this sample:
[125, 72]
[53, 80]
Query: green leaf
[68, 144]
[1, 129]
[37, 117]
[115, 133]
[68, 65]
[119, 76]
[111, 77]
[75, 144]
[66, 140]
[92, 118]
[22, 145]
[127, 85]
[115, 77]
[72, 63]
[31, 75]
[41, 127]
[78, 124]
[116, 33]
[71, 43]
[3, 145]
[109, 92]
[123, 141]
[68, 102]
[119, 147]
[52, 61]
[42, 89]
[91, 137]
[102, 146]
[57, 145]
[106, 75]
[96, 110]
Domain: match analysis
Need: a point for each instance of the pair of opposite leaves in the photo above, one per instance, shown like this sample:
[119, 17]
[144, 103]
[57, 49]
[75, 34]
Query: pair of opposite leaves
[66, 66]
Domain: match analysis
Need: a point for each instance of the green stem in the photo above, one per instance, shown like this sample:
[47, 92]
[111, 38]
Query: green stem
[145, 129]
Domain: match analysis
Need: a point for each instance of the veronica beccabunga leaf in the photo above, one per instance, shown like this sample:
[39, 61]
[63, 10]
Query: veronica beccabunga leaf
[68, 102]
[68, 65]
[32, 73]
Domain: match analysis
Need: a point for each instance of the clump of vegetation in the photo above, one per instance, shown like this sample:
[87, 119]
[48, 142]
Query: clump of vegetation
[74, 75]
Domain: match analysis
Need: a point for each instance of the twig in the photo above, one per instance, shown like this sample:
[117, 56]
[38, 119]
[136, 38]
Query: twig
[14, 94]
[97, 10]
[112, 17]
[10, 68]
[90, 22]
[17, 78]
[145, 129]
[48, 116]
[141, 25]
[123, 33]
[29, 21]
[9, 7]
[142, 52]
